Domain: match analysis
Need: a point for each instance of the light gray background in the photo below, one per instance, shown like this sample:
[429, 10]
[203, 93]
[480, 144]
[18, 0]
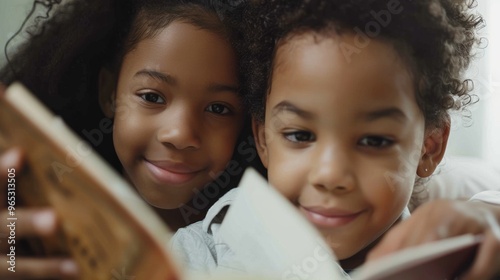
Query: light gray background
[479, 139]
[12, 13]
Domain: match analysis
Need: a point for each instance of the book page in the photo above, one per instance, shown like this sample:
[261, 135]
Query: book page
[271, 238]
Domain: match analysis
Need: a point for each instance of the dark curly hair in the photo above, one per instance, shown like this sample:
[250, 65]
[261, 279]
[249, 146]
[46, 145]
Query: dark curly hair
[435, 37]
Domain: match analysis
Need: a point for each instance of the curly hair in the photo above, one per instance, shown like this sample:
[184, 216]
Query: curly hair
[61, 58]
[435, 37]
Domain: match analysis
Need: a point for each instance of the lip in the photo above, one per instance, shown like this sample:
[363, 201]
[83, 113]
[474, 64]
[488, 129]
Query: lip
[172, 173]
[329, 217]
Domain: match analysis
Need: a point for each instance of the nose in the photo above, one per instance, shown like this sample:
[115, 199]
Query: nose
[180, 129]
[332, 170]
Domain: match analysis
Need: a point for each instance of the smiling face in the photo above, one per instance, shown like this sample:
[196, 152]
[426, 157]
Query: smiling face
[342, 140]
[177, 115]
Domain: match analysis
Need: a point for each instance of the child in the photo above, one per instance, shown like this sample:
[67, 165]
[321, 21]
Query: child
[350, 101]
[168, 87]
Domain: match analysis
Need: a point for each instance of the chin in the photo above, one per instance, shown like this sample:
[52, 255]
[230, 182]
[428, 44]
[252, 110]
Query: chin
[163, 200]
[342, 254]
[166, 206]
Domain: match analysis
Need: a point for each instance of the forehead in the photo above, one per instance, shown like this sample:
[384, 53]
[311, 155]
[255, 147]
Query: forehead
[313, 63]
[186, 52]
[181, 37]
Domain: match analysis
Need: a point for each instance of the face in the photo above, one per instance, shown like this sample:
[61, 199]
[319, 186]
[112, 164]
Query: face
[177, 114]
[342, 136]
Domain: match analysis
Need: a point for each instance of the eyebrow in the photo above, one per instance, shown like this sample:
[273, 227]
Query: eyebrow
[392, 112]
[162, 77]
[286, 106]
[222, 87]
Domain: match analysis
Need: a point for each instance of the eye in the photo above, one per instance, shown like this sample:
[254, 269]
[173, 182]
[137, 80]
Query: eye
[218, 109]
[376, 142]
[152, 98]
[299, 136]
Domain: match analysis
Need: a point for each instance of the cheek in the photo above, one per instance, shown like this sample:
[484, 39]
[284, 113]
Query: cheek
[221, 144]
[286, 173]
[396, 176]
[129, 135]
[125, 122]
[121, 144]
[392, 194]
[391, 198]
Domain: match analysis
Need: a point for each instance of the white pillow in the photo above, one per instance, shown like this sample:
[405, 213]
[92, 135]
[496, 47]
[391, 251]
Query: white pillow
[462, 178]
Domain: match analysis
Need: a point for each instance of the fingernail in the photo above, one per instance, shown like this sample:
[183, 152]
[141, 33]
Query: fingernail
[69, 268]
[10, 158]
[44, 222]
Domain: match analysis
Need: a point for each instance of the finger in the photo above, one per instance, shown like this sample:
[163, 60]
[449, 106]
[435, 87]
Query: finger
[382, 249]
[29, 268]
[409, 233]
[415, 230]
[32, 222]
[11, 159]
[487, 261]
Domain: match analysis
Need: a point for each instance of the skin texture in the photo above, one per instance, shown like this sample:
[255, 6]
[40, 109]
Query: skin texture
[343, 141]
[177, 114]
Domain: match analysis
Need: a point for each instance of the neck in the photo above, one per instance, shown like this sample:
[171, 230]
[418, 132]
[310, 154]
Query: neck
[359, 258]
[177, 218]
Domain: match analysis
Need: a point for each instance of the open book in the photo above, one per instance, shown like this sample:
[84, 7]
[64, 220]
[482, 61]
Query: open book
[275, 240]
[113, 234]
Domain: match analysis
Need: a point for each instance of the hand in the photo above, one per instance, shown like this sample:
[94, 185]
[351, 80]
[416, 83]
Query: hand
[442, 219]
[30, 222]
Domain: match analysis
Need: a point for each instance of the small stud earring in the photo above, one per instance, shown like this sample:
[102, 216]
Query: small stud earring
[426, 169]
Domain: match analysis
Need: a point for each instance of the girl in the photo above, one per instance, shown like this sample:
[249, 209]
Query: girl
[379, 77]
[350, 101]
[165, 76]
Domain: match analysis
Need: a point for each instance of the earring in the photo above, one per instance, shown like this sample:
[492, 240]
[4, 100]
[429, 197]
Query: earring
[425, 169]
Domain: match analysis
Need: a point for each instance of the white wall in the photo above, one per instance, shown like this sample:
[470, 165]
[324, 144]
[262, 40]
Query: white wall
[481, 137]
[491, 141]
[12, 13]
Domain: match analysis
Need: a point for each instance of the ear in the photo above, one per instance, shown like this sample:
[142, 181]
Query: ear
[433, 149]
[107, 92]
[258, 129]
